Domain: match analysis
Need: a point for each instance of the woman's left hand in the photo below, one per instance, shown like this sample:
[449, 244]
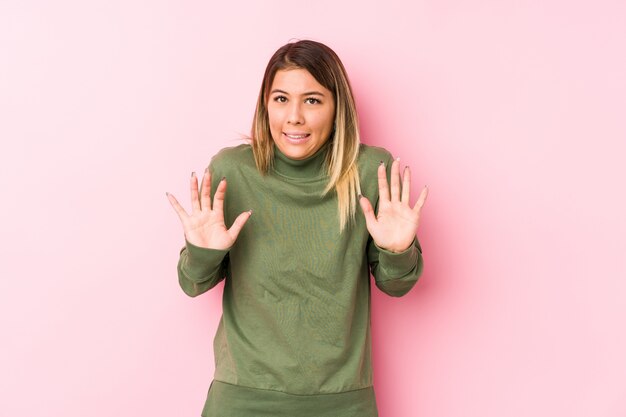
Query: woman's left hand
[396, 224]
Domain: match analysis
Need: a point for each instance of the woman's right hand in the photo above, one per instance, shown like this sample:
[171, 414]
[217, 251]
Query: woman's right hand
[205, 226]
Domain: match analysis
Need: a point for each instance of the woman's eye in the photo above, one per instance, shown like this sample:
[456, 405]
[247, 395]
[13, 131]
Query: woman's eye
[280, 99]
[312, 100]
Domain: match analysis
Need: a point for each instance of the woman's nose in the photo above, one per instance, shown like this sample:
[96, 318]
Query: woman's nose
[295, 114]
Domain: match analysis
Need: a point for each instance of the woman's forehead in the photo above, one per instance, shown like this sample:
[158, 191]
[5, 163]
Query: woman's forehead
[297, 81]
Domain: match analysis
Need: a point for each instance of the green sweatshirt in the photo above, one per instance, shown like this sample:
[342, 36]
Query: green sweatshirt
[294, 338]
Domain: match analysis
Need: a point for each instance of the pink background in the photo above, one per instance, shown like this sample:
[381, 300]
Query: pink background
[512, 112]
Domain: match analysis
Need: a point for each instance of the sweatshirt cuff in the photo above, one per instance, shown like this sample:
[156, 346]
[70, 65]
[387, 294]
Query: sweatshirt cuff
[398, 264]
[201, 261]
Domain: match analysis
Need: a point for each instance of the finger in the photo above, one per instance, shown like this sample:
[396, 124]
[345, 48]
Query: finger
[195, 203]
[395, 180]
[383, 188]
[421, 200]
[238, 224]
[406, 185]
[182, 214]
[205, 191]
[218, 199]
[368, 211]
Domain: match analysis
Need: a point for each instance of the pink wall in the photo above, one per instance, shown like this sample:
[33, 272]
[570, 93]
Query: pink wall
[511, 112]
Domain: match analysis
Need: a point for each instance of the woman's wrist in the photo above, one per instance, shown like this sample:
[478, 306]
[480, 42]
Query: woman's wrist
[396, 249]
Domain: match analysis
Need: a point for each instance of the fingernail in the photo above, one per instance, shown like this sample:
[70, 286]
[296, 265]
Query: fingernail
[398, 159]
[193, 173]
[167, 194]
[359, 196]
[250, 211]
[206, 170]
[381, 162]
[223, 178]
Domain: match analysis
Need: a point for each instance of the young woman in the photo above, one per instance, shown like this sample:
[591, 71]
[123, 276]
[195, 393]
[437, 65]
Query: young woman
[295, 250]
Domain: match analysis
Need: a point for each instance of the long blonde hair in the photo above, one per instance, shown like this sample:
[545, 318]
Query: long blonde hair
[341, 159]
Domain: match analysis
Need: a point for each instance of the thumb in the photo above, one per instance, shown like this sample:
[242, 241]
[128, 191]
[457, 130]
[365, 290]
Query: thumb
[238, 224]
[368, 211]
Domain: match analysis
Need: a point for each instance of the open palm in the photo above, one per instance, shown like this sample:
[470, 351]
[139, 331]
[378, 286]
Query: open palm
[395, 225]
[205, 226]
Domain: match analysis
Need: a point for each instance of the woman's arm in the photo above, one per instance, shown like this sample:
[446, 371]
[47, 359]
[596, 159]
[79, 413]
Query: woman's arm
[204, 260]
[393, 250]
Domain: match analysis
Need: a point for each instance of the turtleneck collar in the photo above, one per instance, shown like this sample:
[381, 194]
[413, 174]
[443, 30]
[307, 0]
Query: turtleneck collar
[311, 167]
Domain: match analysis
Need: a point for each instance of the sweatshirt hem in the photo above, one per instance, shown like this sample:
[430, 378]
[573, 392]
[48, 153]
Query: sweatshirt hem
[294, 394]
[229, 400]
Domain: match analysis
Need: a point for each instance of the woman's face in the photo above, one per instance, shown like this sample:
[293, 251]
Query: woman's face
[301, 113]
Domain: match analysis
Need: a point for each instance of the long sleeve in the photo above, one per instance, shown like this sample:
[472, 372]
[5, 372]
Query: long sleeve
[200, 269]
[395, 273]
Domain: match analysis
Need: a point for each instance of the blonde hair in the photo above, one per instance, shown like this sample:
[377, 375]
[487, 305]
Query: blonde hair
[341, 158]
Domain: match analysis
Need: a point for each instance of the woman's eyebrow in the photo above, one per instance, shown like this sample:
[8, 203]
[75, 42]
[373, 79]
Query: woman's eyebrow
[308, 93]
